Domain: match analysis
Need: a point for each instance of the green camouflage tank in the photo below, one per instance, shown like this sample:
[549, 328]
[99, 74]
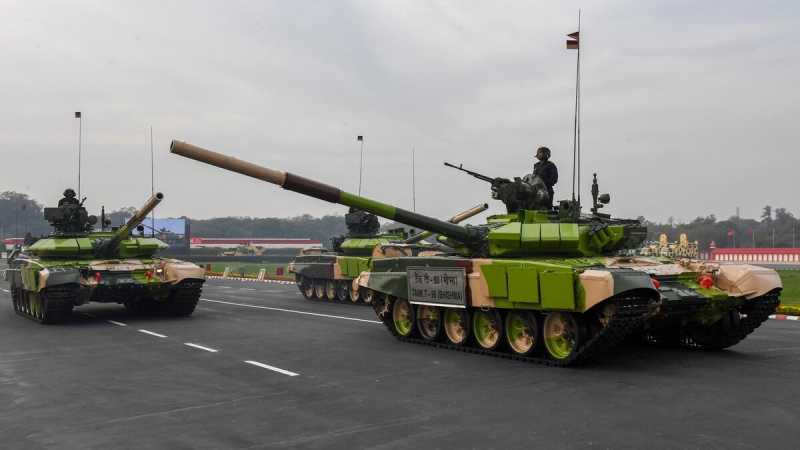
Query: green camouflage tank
[329, 274]
[541, 284]
[76, 265]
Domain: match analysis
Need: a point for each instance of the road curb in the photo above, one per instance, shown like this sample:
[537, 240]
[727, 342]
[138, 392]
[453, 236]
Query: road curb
[255, 280]
[784, 317]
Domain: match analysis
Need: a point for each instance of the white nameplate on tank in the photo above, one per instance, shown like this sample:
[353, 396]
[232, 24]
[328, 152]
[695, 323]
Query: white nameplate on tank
[437, 286]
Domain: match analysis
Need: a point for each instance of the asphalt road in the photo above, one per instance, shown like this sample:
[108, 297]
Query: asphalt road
[325, 375]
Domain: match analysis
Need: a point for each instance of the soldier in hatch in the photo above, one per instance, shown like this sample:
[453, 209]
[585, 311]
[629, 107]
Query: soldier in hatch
[546, 170]
[69, 198]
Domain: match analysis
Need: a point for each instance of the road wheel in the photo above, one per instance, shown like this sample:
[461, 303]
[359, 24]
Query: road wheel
[307, 288]
[342, 290]
[429, 322]
[457, 327]
[403, 317]
[354, 294]
[330, 290]
[487, 327]
[319, 289]
[367, 295]
[522, 332]
[562, 334]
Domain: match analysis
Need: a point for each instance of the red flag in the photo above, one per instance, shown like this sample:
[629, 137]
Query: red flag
[572, 42]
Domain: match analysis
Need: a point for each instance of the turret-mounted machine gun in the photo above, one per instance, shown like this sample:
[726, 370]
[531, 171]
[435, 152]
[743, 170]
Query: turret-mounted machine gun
[529, 192]
[70, 218]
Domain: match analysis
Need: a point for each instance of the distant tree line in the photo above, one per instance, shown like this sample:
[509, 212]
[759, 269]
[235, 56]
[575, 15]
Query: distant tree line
[305, 226]
[20, 214]
[776, 228]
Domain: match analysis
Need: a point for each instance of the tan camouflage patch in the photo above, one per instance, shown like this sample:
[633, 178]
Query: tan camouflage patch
[598, 285]
[739, 280]
[478, 288]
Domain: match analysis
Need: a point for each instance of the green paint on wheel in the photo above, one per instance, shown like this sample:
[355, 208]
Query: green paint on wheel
[560, 335]
[403, 317]
[486, 328]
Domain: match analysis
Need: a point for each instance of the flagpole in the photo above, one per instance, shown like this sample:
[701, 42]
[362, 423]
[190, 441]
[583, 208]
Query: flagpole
[578, 109]
[574, 43]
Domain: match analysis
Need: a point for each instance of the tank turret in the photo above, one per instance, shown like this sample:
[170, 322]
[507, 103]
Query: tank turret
[111, 245]
[522, 232]
[519, 233]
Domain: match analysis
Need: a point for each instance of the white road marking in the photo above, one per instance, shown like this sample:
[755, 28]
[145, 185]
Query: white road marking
[273, 368]
[152, 334]
[292, 311]
[780, 349]
[5, 290]
[208, 349]
[120, 324]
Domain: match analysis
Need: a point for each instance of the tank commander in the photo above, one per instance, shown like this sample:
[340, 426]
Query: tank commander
[69, 198]
[546, 170]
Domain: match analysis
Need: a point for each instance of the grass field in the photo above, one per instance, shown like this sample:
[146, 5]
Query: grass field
[791, 287]
[275, 271]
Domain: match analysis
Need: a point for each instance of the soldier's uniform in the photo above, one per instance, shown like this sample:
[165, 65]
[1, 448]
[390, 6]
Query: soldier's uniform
[69, 198]
[547, 171]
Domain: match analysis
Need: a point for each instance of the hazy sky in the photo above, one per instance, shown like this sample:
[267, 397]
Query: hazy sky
[689, 107]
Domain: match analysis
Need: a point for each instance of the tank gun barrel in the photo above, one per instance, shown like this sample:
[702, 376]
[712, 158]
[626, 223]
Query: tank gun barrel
[322, 191]
[460, 217]
[123, 231]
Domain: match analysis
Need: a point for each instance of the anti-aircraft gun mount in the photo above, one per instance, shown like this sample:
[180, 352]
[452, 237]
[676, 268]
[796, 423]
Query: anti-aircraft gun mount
[70, 217]
[521, 193]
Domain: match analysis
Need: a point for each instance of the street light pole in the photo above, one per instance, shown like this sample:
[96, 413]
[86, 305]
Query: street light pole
[361, 163]
[80, 138]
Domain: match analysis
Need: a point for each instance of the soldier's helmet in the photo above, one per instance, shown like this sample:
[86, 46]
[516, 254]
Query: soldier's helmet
[69, 193]
[544, 151]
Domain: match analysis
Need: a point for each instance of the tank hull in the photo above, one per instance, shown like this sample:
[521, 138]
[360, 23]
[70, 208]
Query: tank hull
[607, 300]
[536, 310]
[47, 290]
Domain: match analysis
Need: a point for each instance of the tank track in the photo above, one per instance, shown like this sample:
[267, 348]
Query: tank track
[184, 298]
[181, 303]
[728, 331]
[54, 304]
[630, 314]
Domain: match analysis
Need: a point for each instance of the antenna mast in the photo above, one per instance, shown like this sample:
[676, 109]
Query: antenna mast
[361, 163]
